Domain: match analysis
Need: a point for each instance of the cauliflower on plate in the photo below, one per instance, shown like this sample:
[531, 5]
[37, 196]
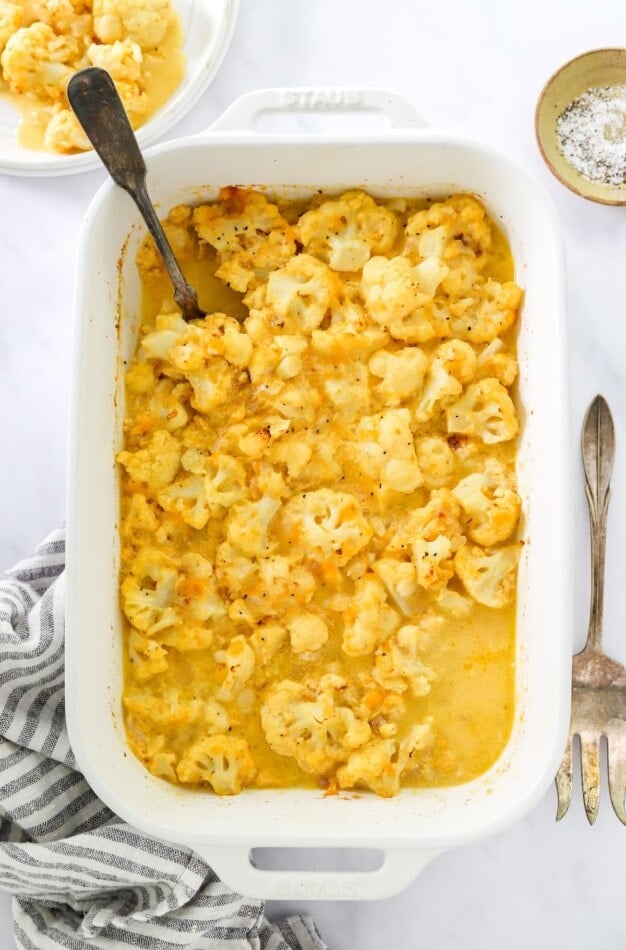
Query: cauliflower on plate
[485, 410]
[490, 502]
[401, 372]
[234, 667]
[123, 60]
[145, 22]
[64, 132]
[308, 723]
[148, 591]
[384, 450]
[380, 764]
[345, 232]
[36, 60]
[398, 666]
[250, 235]
[307, 631]
[435, 459]
[369, 618]
[224, 762]
[325, 524]
[489, 576]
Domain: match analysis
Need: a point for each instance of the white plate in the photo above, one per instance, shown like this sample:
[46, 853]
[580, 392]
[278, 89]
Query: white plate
[208, 27]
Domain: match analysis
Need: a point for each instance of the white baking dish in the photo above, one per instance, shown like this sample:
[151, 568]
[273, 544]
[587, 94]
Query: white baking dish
[405, 159]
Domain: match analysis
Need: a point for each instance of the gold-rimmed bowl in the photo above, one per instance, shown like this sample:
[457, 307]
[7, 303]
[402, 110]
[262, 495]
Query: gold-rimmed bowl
[598, 67]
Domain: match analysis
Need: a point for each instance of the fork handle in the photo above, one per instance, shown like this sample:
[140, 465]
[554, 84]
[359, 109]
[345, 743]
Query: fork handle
[598, 451]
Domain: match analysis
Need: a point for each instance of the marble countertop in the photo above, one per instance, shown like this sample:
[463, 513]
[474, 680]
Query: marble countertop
[474, 68]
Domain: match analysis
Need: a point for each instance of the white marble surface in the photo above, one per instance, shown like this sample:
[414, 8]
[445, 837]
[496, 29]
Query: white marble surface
[472, 67]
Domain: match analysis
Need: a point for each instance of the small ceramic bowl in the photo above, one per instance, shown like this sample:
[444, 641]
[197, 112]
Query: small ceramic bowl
[599, 67]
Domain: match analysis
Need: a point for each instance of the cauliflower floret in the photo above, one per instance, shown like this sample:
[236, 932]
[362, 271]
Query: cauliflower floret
[155, 465]
[489, 576]
[452, 603]
[169, 327]
[402, 373]
[400, 579]
[302, 291]
[308, 724]
[215, 335]
[148, 591]
[494, 362]
[440, 387]
[394, 299]
[346, 231]
[138, 517]
[369, 618]
[11, 19]
[348, 388]
[167, 403]
[384, 450]
[147, 657]
[431, 534]
[452, 230]
[250, 235]
[196, 589]
[381, 763]
[213, 386]
[398, 666]
[307, 632]
[281, 355]
[234, 668]
[490, 503]
[267, 639]
[458, 359]
[485, 410]
[122, 59]
[145, 711]
[435, 459]
[224, 762]
[326, 524]
[145, 22]
[482, 318]
[36, 60]
[186, 497]
[224, 478]
[248, 525]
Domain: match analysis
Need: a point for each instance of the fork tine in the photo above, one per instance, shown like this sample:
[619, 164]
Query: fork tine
[590, 763]
[616, 747]
[564, 781]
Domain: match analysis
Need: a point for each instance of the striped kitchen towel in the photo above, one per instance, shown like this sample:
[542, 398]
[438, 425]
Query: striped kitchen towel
[81, 877]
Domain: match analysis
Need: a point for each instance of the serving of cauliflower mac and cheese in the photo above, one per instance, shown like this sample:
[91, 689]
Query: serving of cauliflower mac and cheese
[319, 521]
[44, 42]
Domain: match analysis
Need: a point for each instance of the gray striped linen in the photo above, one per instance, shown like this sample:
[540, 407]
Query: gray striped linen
[81, 878]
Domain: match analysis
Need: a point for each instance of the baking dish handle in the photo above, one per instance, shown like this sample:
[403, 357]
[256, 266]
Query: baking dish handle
[244, 114]
[234, 867]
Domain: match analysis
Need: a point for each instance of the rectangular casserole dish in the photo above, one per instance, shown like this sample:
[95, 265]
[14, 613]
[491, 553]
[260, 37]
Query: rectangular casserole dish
[407, 160]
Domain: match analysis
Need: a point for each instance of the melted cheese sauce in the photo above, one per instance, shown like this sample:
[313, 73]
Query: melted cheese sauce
[472, 698]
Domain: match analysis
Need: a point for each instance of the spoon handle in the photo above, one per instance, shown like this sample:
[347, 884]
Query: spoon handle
[99, 109]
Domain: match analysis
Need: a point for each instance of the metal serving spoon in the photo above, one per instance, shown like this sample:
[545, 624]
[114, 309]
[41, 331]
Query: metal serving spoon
[98, 108]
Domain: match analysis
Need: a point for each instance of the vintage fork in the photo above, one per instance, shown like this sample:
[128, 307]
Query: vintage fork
[598, 683]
